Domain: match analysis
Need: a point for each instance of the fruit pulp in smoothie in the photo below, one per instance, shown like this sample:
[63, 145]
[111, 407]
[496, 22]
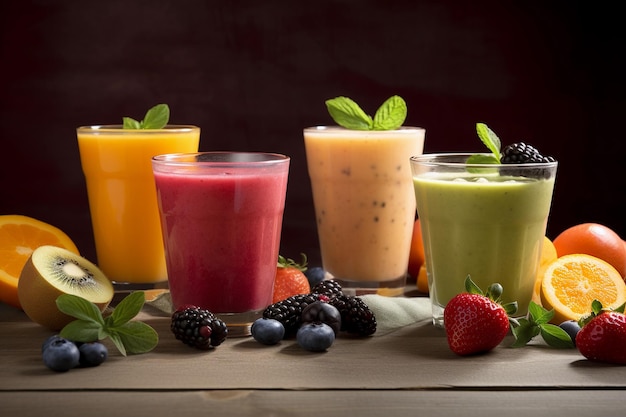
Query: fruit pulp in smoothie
[364, 200]
[222, 236]
[491, 229]
[122, 197]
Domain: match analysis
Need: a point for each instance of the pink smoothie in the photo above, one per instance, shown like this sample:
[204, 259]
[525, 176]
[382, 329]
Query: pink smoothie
[222, 235]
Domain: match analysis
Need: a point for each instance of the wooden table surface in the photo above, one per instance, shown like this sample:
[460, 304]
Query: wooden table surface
[409, 371]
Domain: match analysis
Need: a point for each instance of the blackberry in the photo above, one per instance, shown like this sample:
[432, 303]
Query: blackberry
[198, 327]
[356, 316]
[219, 332]
[289, 310]
[330, 288]
[522, 153]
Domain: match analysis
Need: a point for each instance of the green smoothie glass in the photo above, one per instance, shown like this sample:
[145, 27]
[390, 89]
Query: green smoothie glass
[483, 220]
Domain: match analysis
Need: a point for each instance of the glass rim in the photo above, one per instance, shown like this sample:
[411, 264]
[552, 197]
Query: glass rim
[457, 160]
[335, 128]
[116, 128]
[220, 158]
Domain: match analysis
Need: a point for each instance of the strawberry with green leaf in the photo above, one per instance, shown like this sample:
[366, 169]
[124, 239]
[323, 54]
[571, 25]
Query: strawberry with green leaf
[290, 279]
[602, 337]
[476, 322]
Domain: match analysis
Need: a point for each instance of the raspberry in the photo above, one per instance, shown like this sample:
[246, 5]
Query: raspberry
[198, 327]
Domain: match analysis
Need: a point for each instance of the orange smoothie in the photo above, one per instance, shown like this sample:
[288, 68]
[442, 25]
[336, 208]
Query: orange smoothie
[122, 196]
[364, 201]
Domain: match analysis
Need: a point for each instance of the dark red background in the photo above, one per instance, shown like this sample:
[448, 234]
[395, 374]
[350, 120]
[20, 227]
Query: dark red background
[253, 74]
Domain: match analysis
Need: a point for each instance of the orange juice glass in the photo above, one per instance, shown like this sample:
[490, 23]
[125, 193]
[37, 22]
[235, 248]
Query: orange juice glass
[117, 164]
[364, 203]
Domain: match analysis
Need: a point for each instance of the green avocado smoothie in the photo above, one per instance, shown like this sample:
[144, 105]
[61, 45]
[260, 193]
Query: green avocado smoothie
[490, 227]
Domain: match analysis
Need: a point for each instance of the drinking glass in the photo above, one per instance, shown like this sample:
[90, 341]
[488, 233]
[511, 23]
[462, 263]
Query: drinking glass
[221, 218]
[122, 198]
[364, 204]
[487, 221]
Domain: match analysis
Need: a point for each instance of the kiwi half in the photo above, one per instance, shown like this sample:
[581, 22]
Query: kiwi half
[51, 271]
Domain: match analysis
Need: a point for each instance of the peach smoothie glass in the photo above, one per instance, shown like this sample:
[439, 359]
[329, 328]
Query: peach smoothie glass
[122, 199]
[221, 217]
[483, 220]
[364, 203]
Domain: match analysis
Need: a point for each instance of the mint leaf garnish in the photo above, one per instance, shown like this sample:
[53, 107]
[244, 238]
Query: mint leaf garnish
[490, 139]
[391, 114]
[128, 336]
[130, 123]
[482, 159]
[155, 118]
[537, 323]
[348, 114]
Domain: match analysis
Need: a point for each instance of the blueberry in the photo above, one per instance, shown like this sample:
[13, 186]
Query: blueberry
[49, 341]
[572, 328]
[61, 355]
[322, 312]
[267, 331]
[92, 353]
[316, 337]
[315, 275]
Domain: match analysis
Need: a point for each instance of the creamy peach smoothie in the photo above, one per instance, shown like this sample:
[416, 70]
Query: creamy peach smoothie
[364, 201]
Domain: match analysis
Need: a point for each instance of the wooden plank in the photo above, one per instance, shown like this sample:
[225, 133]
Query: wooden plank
[369, 403]
[412, 358]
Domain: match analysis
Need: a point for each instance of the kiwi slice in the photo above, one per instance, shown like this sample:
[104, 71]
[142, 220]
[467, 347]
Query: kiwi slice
[51, 271]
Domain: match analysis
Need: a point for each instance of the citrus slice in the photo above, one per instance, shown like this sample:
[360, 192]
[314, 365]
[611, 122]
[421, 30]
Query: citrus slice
[572, 282]
[19, 237]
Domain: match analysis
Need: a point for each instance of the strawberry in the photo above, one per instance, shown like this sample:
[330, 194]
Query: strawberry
[602, 337]
[290, 279]
[475, 322]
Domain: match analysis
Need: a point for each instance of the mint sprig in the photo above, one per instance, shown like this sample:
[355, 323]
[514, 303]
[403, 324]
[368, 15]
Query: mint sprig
[348, 114]
[491, 141]
[155, 118]
[536, 324]
[128, 336]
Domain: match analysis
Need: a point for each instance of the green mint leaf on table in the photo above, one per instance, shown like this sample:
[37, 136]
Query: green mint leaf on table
[391, 114]
[137, 337]
[537, 323]
[156, 118]
[128, 336]
[79, 308]
[348, 114]
[128, 308]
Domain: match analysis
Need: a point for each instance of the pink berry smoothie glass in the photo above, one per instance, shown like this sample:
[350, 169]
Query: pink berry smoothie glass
[221, 218]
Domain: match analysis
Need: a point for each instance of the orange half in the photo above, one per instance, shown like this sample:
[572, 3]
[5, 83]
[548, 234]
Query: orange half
[572, 282]
[19, 237]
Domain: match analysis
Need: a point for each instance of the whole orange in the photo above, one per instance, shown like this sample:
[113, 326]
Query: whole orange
[596, 240]
[416, 255]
